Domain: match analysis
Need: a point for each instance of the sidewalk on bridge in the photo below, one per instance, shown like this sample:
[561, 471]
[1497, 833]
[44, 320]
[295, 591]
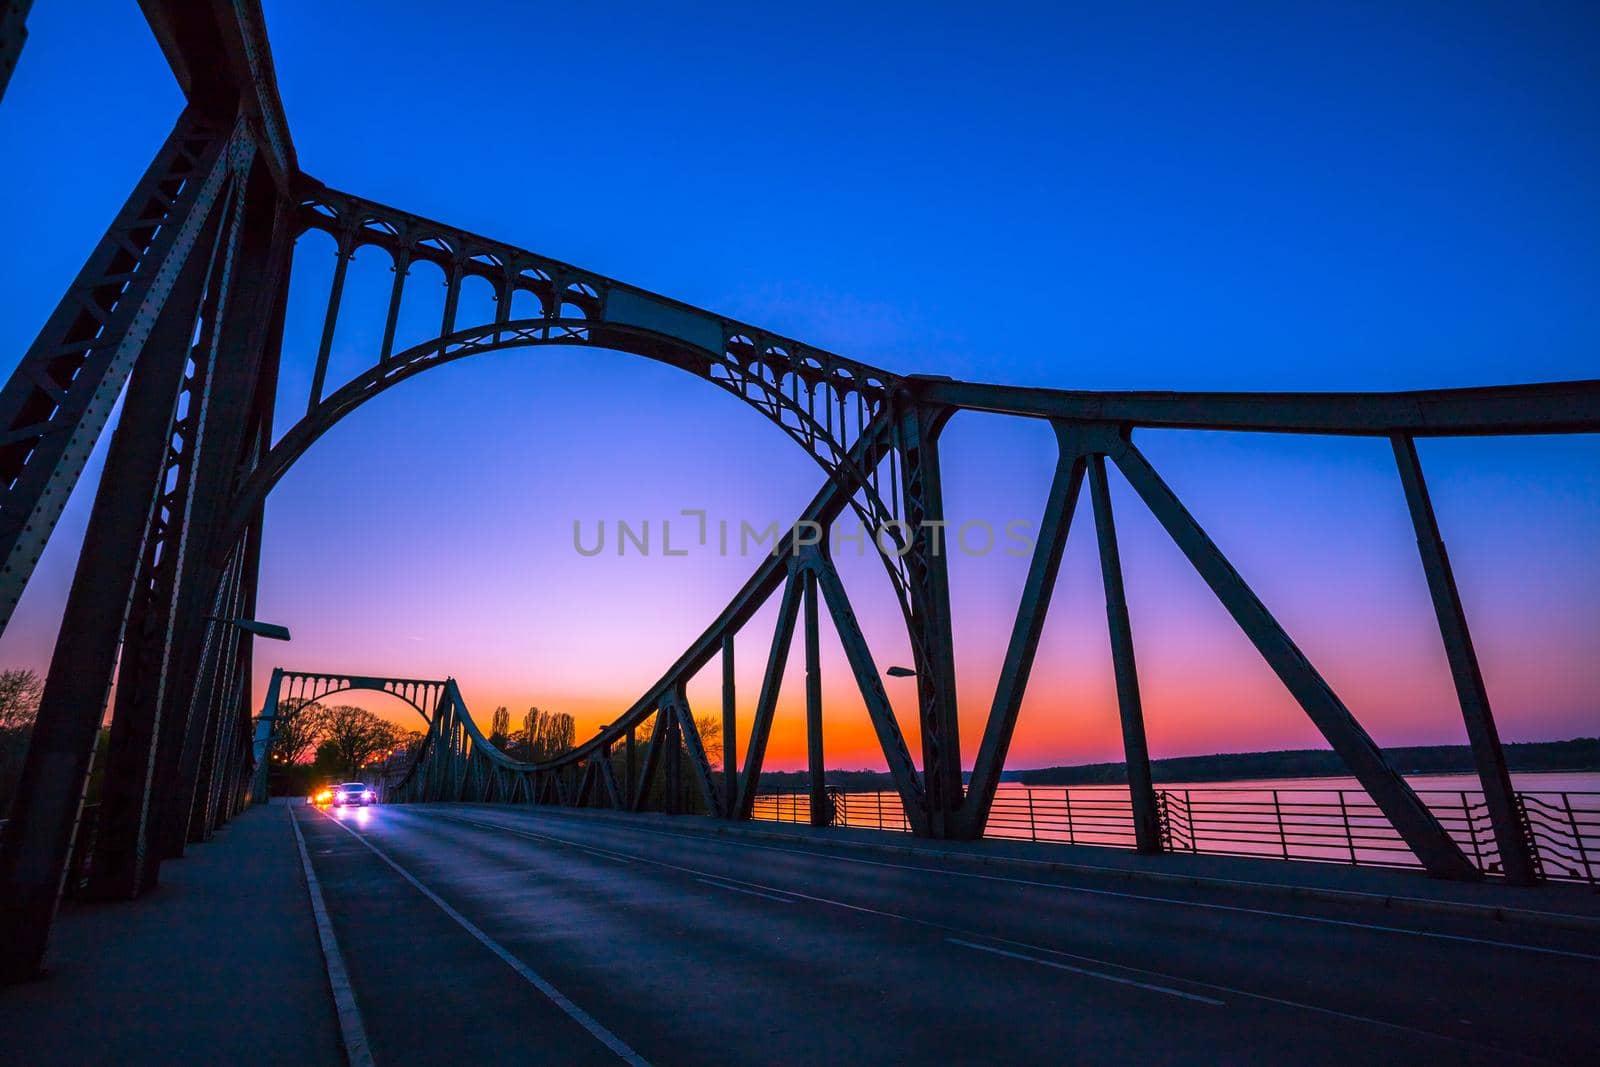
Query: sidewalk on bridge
[1561, 905]
[222, 957]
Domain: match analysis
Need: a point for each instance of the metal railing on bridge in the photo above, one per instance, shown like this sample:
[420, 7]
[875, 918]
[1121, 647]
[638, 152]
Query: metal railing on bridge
[1319, 825]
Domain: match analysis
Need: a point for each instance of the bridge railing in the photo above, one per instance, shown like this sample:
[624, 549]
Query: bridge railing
[1320, 825]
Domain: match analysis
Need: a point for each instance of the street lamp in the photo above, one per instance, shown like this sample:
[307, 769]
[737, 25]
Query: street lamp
[900, 672]
[270, 630]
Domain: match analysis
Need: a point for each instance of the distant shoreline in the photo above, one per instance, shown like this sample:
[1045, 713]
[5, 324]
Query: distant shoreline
[1577, 755]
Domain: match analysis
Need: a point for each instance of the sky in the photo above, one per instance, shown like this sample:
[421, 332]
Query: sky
[1185, 196]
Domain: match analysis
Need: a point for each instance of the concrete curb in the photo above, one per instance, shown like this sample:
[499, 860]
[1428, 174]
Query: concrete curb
[937, 857]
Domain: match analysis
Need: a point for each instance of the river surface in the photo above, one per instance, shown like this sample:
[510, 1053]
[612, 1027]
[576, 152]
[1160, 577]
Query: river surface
[1329, 819]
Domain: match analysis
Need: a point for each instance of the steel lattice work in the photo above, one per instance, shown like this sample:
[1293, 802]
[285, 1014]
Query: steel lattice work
[180, 309]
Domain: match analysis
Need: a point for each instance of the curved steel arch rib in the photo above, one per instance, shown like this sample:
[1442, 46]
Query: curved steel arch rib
[824, 402]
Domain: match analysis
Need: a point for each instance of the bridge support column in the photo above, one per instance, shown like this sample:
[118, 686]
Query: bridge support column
[239, 428]
[330, 320]
[821, 815]
[730, 732]
[1510, 833]
[150, 722]
[674, 759]
[630, 769]
[933, 647]
[1136, 752]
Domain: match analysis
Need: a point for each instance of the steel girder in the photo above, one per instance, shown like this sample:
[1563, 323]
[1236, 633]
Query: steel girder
[161, 269]
[174, 553]
[59, 397]
[13, 35]
[894, 484]
[145, 741]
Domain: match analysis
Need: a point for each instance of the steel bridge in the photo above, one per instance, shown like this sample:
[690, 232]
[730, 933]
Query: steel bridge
[179, 309]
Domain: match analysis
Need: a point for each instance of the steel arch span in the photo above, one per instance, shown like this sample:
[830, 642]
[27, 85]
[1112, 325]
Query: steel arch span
[180, 309]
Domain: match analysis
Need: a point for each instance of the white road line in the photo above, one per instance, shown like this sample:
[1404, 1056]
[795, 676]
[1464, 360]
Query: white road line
[747, 892]
[356, 1050]
[1085, 971]
[1084, 890]
[1209, 986]
[577, 1014]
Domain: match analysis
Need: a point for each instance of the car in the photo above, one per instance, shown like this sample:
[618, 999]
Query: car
[354, 793]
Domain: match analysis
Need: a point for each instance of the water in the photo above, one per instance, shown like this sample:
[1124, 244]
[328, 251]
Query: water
[1533, 782]
[1325, 819]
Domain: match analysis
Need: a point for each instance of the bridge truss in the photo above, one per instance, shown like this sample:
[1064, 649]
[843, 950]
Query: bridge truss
[179, 310]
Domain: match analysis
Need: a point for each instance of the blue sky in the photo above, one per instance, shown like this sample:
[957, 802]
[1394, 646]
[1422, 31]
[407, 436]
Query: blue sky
[1239, 196]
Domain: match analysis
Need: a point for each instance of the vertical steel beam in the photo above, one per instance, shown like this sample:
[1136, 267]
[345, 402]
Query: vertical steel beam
[629, 768]
[730, 731]
[452, 299]
[1510, 835]
[815, 764]
[673, 755]
[1135, 750]
[933, 646]
[1032, 609]
[1410, 817]
[330, 320]
[402, 266]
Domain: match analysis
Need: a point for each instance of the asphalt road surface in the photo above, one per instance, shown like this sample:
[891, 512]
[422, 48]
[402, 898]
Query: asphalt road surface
[494, 934]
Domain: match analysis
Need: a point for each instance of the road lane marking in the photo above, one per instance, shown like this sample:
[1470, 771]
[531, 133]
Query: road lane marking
[1085, 971]
[1118, 894]
[1041, 949]
[358, 1053]
[747, 892]
[578, 1015]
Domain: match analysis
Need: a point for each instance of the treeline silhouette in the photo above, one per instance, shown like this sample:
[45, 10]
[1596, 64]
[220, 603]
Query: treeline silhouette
[1578, 754]
[544, 734]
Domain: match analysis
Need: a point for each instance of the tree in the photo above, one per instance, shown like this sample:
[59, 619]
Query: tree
[500, 728]
[355, 737]
[299, 727]
[550, 734]
[710, 728]
[20, 690]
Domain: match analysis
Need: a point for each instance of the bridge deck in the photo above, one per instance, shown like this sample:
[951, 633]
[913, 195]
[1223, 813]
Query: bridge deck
[490, 934]
[686, 948]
